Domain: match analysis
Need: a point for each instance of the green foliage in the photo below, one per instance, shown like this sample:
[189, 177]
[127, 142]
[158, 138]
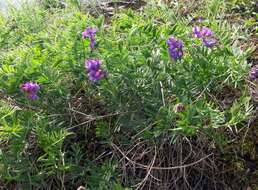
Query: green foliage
[51, 143]
[240, 111]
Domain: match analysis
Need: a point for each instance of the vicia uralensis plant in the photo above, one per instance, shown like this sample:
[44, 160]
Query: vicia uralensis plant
[121, 101]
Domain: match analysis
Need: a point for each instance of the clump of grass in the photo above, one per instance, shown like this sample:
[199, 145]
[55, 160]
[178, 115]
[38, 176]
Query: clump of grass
[120, 106]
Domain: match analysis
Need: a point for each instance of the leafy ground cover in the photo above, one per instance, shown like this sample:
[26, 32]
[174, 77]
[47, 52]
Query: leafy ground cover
[157, 95]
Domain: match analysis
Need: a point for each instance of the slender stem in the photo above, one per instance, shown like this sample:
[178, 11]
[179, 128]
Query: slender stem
[84, 49]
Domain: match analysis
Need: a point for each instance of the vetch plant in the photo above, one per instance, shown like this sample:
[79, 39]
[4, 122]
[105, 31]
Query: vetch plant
[145, 98]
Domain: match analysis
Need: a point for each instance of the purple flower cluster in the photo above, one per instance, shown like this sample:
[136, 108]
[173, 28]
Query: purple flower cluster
[94, 71]
[175, 48]
[253, 75]
[31, 89]
[90, 33]
[206, 34]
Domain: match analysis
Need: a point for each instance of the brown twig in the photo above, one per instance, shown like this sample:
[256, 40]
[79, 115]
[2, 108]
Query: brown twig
[92, 119]
[155, 167]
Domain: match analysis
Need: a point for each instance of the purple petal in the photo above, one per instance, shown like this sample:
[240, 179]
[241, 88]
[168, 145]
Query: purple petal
[206, 32]
[209, 42]
[92, 64]
[92, 43]
[197, 31]
[96, 75]
[32, 96]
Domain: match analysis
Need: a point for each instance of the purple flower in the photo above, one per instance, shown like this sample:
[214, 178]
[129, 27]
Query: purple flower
[96, 75]
[209, 42]
[202, 32]
[253, 75]
[32, 96]
[175, 48]
[31, 89]
[206, 34]
[197, 31]
[90, 33]
[94, 71]
[92, 64]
